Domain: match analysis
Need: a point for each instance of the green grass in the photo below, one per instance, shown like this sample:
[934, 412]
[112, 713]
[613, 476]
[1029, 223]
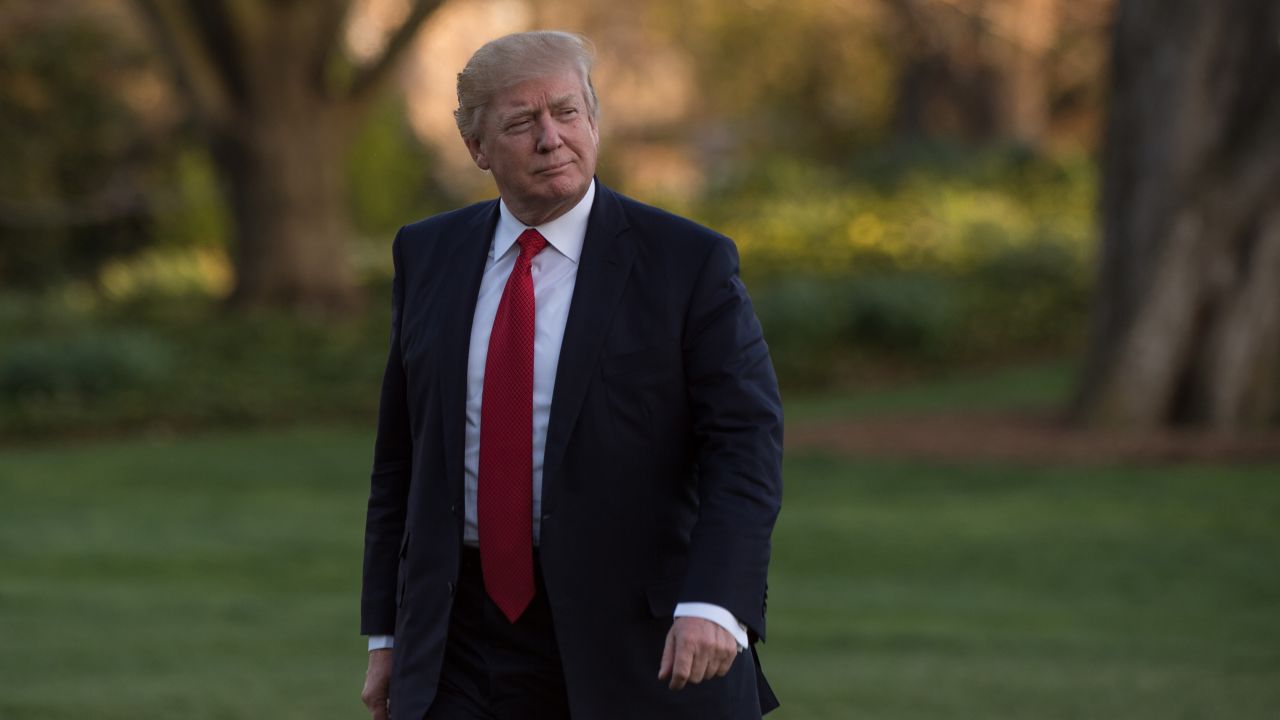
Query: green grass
[217, 577]
[904, 590]
[1037, 387]
[206, 578]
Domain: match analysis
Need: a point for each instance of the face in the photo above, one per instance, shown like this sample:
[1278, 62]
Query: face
[539, 140]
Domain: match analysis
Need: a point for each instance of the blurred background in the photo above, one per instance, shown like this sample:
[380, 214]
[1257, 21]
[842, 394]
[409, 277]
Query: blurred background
[1018, 264]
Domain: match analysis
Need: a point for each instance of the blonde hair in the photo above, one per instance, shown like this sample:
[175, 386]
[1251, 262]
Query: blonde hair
[512, 59]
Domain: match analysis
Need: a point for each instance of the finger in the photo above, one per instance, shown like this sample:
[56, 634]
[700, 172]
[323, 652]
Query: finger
[726, 652]
[381, 711]
[705, 662]
[726, 663]
[718, 656]
[683, 664]
[698, 670]
[668, 655]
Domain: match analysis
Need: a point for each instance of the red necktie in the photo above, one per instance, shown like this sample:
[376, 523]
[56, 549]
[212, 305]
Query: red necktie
[505, 502]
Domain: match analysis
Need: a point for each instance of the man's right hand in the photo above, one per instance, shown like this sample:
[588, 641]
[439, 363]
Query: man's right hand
[377, 683]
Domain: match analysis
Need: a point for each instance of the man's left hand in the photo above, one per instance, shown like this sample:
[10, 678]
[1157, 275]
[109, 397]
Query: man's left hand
[696, 650]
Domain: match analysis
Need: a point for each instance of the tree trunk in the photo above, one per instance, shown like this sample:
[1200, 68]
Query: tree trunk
[947, 87]
[1187, 324]
[278, 100]
[1024, 90]
[285, 178]
[976, 69]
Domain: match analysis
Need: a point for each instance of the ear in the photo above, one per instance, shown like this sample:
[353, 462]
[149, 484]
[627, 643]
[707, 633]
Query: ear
[477, 153]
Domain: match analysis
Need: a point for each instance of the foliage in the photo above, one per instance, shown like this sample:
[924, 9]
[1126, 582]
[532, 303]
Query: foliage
[167, 272]
[190, 213]
[389, 174]
[95, 370]
[810, 78]
[943, 214]
[884, 272]
[78, 157]
[947, 256]
[81, 367]
[815, 326]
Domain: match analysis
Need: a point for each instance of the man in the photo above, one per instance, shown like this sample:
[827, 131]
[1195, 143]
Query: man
[577, 468]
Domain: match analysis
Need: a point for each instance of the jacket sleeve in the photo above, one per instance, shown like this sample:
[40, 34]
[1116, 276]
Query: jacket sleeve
[389, 480]
[737, 423]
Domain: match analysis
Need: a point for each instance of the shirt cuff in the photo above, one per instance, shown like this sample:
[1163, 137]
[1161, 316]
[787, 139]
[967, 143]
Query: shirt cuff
[381, 642]
[715, 614]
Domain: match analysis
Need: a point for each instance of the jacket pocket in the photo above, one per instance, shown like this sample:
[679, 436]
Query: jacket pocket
[400, 570]
[404, 543]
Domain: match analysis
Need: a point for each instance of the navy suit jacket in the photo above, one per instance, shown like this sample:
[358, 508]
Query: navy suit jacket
[662, 473]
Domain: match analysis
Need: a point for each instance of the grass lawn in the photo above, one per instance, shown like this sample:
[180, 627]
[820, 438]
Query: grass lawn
[1038, 387]
[218, 576]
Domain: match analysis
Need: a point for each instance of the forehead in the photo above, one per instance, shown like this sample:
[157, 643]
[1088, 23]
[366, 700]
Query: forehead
[555, 87]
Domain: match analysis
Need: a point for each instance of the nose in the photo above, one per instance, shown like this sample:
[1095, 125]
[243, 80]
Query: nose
[548, 134]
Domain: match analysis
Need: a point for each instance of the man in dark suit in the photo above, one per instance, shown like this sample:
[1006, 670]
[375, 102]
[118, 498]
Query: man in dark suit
[577, 468]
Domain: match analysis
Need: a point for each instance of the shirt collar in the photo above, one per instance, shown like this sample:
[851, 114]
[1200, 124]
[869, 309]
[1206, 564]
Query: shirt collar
[566, 233]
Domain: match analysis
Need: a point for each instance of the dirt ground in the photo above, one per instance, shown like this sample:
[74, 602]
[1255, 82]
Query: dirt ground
[1024, 438]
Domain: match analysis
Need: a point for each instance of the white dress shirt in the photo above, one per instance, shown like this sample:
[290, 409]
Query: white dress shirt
[555, 272]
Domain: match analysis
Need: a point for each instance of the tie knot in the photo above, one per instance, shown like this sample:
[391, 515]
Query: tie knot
[531, 242]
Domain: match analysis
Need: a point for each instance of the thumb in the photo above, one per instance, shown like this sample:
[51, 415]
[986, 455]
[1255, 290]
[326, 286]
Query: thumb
[668, 655]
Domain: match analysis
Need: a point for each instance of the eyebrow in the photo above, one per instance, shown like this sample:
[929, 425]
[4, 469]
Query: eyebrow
[564, 100]
[525, 110]
[518, 113]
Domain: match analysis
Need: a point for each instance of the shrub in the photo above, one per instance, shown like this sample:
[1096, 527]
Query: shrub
[957, 261]
[816, 326]
[85, 366]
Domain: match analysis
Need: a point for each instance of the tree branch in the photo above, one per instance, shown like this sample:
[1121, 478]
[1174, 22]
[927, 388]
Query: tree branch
[330, 19]
[193, 69]
[223, 43]
[368, 78]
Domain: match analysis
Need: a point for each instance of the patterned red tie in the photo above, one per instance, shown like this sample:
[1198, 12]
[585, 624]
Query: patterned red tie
[505, 502]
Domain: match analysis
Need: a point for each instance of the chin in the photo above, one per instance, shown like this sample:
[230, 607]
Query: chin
[562, 187]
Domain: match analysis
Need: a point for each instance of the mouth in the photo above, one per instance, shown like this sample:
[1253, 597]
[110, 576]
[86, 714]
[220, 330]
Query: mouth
[554, 168]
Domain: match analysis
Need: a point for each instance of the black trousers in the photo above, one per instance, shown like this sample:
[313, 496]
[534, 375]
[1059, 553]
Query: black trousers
[495, 669]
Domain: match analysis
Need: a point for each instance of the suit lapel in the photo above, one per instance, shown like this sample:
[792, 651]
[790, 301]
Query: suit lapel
[604, 265]
[465, 262]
